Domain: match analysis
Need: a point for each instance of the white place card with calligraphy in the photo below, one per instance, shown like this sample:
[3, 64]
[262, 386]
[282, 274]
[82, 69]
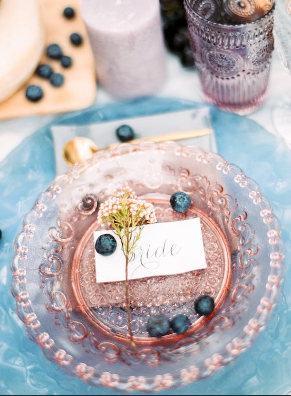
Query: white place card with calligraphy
[164, 249]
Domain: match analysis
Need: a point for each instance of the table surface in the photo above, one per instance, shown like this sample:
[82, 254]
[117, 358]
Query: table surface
[181, 83]
[263, 369]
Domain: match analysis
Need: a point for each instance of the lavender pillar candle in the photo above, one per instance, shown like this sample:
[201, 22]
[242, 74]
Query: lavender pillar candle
[127, 41]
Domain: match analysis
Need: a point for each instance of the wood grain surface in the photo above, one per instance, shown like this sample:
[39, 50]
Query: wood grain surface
[79, 90]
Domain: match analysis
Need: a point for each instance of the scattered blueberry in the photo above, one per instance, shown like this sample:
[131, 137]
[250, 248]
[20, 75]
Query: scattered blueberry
[54, 51]
[125, 133]
[180, 202]
[57, 80]
[158, 326]
[34, 93]
[69, 13]
[180, 324]
[76, 39]
[106, 245]
[205, 305]
[66, 62]
[44, 71]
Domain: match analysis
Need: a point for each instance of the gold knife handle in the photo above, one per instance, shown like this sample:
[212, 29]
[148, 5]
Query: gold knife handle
[169, 137]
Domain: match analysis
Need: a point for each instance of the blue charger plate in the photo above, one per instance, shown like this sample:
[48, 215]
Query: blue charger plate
[29, 169]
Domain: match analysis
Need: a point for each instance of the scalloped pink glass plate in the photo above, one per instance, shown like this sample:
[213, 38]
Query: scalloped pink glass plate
[105, 304]
[82, 326]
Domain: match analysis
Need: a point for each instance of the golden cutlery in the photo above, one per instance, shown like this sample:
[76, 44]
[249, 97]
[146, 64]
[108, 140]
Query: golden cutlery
[81, 149]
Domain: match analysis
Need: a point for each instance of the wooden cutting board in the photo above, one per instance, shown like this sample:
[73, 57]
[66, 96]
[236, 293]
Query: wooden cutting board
[79, 90]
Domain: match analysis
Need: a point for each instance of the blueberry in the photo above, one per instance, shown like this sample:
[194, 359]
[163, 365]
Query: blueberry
[69, 13]
[34, 93]
[180, 324]
[54, 51]
[180, 202]
[125, 133]
[66, 62]
[44, 71]
[57, 80]
[106, 245]
[205, 305]
[76, 39]
[158, 326]
[0, 234]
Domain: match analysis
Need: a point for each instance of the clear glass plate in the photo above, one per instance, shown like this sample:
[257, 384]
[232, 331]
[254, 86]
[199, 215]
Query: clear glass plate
[93, 346]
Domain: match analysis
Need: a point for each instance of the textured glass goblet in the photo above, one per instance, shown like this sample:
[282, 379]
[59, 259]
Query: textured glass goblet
[233, 61]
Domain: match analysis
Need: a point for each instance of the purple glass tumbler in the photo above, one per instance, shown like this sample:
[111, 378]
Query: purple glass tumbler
[233, 61]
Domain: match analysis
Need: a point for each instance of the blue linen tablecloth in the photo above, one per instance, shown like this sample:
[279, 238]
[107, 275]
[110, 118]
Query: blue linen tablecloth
[29, 169]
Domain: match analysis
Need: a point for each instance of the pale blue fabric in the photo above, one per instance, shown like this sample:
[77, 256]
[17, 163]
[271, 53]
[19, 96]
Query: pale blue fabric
[264, 369]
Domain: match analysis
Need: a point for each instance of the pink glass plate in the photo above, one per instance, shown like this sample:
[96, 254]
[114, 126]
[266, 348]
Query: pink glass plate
[90, 341]
[104, 304]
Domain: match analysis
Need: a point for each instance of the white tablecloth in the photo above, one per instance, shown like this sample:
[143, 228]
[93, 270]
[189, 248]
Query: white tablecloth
[180, 83]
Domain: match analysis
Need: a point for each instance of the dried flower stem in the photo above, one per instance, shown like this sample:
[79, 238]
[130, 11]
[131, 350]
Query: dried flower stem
[127, 215]
[127, 290]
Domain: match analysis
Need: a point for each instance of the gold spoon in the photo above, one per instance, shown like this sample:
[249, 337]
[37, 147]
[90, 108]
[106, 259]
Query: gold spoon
[81, 149]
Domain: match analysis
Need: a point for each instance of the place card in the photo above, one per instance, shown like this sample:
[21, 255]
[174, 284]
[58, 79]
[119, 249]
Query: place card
[164, 249]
